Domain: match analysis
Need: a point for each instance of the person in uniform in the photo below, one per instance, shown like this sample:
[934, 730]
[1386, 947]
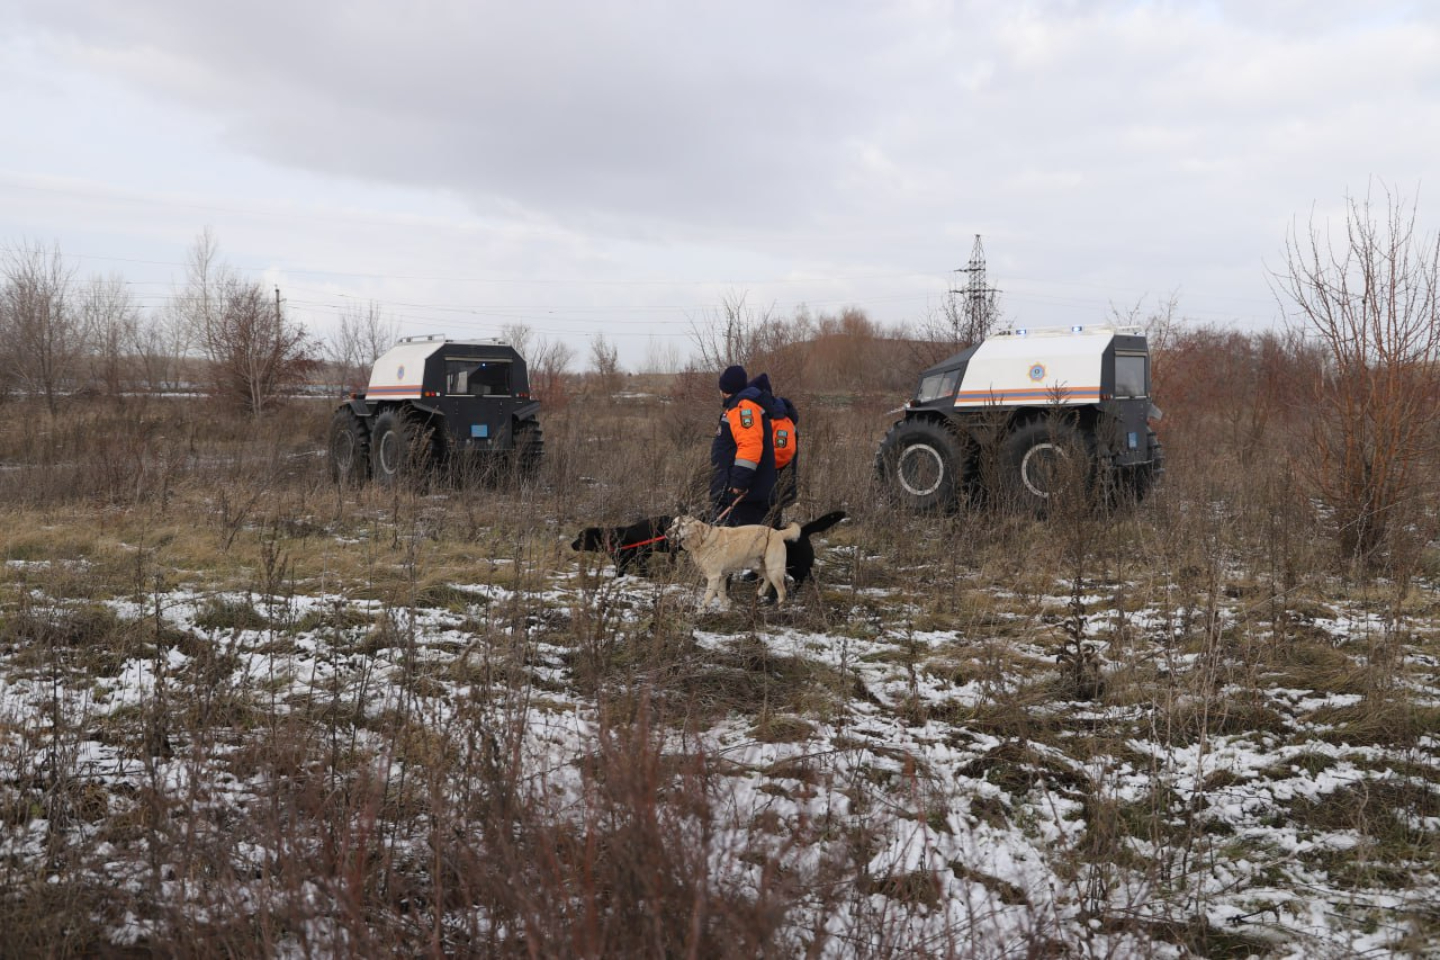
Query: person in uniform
[785, 438]
[742, 455]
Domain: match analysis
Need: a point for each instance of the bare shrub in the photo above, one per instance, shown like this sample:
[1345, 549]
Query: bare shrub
[1371, 297]
[1262, 374]
[633, 875]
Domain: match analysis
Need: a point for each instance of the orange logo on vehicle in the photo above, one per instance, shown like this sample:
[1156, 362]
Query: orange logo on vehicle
[1037, 372]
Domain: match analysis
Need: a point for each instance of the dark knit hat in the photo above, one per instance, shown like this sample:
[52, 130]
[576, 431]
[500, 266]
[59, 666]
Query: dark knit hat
[733, 379]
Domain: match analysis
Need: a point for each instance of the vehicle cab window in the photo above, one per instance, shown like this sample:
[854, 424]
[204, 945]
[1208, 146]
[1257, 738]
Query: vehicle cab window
[475, 377]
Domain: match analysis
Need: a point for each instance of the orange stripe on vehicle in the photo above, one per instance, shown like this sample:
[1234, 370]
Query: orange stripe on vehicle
[1026, 395]
[391, 391]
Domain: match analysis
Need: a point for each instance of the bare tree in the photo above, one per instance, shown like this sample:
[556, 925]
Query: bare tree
[547, 364]
[733, 333]
[364, 333]
[193, 309]
[161, 344]
[1371, 296]
[661, 356]
[968, 318]
[254, 352]
[114, 322]
[605, 360]
[201, 300]
[519, 336]
[44, 330]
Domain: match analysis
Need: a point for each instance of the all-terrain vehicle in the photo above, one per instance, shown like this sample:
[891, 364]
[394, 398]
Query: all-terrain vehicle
[433, 401]
[1017, 414]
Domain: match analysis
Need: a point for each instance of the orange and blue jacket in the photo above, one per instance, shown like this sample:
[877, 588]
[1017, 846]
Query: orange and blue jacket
[783, 429]
[784, 421]
[742, 455]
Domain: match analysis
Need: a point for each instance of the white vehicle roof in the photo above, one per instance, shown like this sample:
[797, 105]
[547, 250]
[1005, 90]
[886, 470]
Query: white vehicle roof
[1027, 367]
[399, 373]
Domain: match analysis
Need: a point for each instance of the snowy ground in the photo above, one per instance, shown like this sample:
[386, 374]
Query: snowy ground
[938, 791]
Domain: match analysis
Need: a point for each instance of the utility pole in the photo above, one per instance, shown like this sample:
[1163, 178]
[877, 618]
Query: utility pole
[975, 312]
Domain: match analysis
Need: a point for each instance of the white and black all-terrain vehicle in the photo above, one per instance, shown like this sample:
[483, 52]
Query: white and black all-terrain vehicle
[433, 402]
[1022, 412]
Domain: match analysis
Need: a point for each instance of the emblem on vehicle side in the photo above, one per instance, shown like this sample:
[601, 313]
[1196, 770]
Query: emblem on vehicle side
[400, 372]
[1037, 372]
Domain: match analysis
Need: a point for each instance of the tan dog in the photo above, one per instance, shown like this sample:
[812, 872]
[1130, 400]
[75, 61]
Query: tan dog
[719, 551]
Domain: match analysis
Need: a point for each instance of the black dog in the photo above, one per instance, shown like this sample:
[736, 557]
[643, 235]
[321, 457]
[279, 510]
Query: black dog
[628, 545]
[800, 554]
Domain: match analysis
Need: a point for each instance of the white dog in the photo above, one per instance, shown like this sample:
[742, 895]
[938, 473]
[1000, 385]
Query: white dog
[719, 551]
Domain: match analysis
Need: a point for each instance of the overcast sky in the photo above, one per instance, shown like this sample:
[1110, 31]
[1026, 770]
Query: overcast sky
[620, 166]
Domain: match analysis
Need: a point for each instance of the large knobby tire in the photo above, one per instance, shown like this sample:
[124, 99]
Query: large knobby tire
[1142, 479]
[349, 448]
[1044, 461]
[401, 447]
[529, 448]
[922, 462]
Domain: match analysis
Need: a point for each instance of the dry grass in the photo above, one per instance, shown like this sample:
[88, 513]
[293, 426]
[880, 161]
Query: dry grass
[403, 800]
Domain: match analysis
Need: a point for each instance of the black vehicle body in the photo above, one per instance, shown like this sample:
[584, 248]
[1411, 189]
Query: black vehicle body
[434, 402]
[976, 425]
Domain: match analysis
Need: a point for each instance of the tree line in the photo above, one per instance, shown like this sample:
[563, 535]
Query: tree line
[230, 337]
[61, 336]
[1349, 378]
[221, 334]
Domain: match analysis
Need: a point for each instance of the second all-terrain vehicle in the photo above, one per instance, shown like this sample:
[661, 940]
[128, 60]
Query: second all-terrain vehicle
[1013, 416]
[435, 402]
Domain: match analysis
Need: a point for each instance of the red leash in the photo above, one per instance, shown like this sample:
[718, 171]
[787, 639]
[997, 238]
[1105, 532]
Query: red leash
[738, 498]
[642, 543]
[646, 543]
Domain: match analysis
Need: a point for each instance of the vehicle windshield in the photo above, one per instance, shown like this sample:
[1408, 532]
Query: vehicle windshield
[477, 377]
[1130, 379]
[937, 385]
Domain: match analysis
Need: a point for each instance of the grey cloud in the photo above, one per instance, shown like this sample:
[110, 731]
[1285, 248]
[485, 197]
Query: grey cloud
[567, 109]
[1109, 140]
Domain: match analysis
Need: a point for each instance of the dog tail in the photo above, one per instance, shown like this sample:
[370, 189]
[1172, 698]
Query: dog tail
[821, 524]
[792, 532]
